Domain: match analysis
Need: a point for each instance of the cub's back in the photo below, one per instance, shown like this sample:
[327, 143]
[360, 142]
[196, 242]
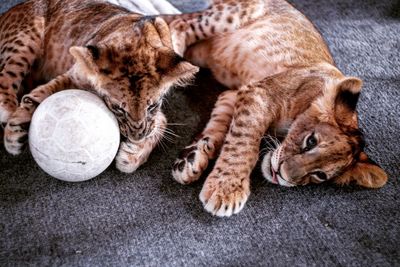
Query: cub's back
[66, 23]
[281, 39]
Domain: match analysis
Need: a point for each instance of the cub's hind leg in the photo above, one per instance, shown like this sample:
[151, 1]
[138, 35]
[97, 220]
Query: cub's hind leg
[194, 158]
[21, 35]
[220, 17]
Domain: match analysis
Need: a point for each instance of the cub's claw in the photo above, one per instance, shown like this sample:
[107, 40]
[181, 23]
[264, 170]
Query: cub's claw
[15, 136]
[192, 161]
[223, 195]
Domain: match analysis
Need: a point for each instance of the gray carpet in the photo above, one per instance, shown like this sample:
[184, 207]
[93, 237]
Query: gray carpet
[146, 219]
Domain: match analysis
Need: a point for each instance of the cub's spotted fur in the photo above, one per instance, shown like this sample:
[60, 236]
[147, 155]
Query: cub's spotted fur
[285, 79]
[126, 58]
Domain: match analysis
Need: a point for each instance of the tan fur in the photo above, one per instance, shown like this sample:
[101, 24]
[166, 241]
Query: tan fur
[126, 58]
[286, 81]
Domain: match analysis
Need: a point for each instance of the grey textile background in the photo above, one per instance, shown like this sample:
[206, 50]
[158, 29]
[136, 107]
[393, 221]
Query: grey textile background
[146, 219]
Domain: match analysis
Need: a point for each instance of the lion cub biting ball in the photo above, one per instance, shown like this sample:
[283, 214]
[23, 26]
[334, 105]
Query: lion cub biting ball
[125, 58]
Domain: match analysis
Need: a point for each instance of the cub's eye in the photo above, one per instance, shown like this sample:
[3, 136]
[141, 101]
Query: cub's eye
[320, 175]
[310, 143]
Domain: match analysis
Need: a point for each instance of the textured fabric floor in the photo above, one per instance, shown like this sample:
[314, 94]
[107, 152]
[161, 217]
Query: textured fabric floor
[148, 219]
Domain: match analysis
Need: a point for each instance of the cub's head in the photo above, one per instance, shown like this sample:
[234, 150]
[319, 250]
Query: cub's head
[132, 65]
[324, 144]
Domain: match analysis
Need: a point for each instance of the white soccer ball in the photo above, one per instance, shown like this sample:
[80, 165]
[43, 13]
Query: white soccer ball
[73, 136]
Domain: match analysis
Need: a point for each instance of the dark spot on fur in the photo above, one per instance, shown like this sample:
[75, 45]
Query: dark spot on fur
[192, 27]
[19, 64]
[201, 29]
[236, 134]
[110, 55]
[31, 50]
[128, 48]
[212, 29]
[19, 43]
[240, 124]
[244, 112]
[133, 80]
[230, 149]
[24, 59]
[106, 71]
[12, 74]
[127, 61]
[123, 70]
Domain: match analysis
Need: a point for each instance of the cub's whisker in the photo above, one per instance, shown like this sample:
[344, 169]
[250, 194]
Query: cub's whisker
[177, 124]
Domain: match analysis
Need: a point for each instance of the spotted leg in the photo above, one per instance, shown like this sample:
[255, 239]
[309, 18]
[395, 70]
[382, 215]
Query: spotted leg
[222, 16]
[132, 155]
[16, 130]
[193, 160]
[227, 188]
[18, 50]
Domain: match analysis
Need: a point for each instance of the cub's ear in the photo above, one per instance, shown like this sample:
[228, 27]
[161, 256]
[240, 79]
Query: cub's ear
[348, 92]
[86, 56]
[365, 173]
[175, 69]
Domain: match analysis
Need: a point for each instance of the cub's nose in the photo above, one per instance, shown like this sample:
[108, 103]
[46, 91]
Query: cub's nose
[137, 125]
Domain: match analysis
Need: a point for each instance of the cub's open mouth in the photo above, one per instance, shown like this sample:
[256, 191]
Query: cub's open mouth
[274, 178]
[270, 174]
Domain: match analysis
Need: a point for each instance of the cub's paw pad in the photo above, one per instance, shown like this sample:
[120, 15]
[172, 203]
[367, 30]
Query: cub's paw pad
[224, 196]
[192, 161]
[15, 136]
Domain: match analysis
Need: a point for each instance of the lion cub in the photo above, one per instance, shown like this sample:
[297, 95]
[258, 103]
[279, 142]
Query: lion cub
[282, 76]
[125, 58]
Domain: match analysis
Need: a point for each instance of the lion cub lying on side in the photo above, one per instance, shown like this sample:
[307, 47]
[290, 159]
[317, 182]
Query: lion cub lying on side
[282, 75]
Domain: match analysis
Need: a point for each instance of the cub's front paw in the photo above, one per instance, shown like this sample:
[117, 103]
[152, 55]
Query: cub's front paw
[224, 194]
[192, 161]
[130, 157]
[16, 132]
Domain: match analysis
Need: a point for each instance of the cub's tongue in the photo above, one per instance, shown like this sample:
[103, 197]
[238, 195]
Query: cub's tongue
[274, 177]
